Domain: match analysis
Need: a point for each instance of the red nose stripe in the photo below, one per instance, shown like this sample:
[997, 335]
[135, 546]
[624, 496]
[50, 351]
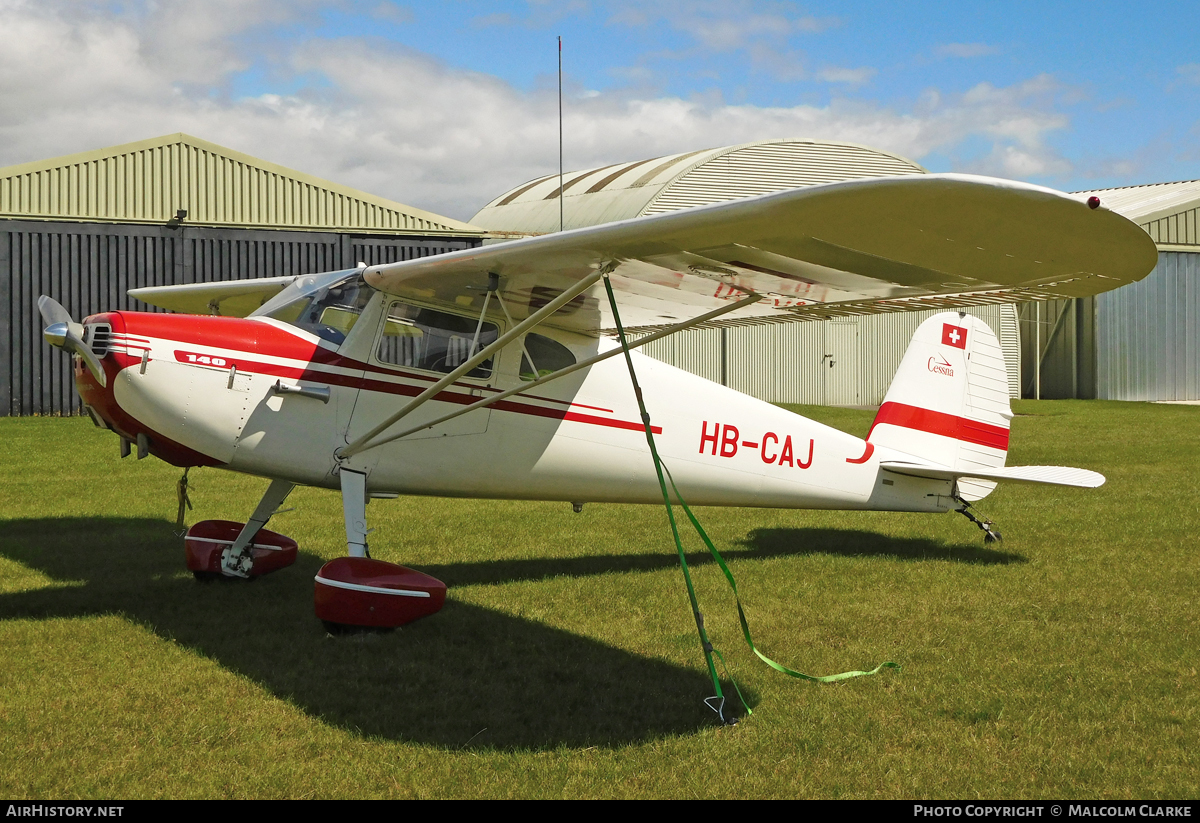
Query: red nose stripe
[947, 425]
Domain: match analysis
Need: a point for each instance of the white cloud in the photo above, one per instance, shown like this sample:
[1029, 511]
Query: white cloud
[540, 14]
[850, 77]
[722, 25]
[785, 65]
[764, 31]
[735, 32]
[1021, 163]
[400, 124]
[966, 50]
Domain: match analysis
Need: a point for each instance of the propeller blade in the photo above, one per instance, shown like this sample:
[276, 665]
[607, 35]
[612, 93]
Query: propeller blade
[52, 312]
[93, 363]
[63, 332]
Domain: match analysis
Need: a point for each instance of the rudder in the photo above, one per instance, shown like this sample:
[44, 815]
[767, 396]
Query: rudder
[948, 402]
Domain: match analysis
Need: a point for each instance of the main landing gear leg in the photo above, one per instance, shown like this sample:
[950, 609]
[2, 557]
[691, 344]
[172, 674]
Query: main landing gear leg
[354, 509]
[990, 533]
[237, 560]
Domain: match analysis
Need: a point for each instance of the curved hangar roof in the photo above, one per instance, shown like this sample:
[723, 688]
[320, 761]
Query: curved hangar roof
[663, 184]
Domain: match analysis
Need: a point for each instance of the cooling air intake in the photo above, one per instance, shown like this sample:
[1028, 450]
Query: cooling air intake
[98, 336]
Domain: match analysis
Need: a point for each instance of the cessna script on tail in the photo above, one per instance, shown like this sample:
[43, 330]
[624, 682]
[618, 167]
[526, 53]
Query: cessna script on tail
[490, 372]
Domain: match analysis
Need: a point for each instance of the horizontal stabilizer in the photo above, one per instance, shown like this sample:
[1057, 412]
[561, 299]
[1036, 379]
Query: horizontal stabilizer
[1053, 475]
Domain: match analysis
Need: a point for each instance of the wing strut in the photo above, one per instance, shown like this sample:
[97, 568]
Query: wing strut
[650, 338]
[516, 331]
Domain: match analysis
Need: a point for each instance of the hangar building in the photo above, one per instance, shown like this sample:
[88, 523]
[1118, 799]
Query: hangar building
[173, 209]
[846, 361]
[1142, 341]
[177, 209]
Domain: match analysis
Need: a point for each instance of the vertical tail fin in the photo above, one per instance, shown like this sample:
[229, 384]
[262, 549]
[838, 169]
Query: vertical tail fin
[948, 403]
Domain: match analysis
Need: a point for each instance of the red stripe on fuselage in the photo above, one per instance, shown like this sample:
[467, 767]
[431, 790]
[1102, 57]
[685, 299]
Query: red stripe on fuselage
[947, 425]
[866, 455]
[231, 333]
[236, 335]
[257, 337]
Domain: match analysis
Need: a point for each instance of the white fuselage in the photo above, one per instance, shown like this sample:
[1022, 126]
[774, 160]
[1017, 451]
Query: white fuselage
[209, 385]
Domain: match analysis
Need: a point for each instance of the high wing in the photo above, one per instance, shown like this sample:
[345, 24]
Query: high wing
[854, 247]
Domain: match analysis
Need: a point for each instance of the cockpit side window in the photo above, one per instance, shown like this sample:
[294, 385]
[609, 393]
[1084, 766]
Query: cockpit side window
[432, 340]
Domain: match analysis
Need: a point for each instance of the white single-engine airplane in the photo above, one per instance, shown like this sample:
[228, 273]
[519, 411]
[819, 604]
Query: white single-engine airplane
[490, 372]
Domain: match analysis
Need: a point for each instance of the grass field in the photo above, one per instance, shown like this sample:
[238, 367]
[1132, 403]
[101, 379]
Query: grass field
[1061, 664]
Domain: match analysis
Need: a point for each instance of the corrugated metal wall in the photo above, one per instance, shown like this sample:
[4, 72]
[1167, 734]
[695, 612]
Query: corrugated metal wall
[1178, 228]
[847, 361]
[1138, 342]
[775, 362]
[1147, 334]
[1010, 342]
[89, 266]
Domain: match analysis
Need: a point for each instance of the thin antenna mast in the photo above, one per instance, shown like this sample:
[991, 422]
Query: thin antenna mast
[560, 138]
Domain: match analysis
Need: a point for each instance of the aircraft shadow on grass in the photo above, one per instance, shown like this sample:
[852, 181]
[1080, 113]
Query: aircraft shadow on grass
[470, 676]
[760, 544]
[770, 542]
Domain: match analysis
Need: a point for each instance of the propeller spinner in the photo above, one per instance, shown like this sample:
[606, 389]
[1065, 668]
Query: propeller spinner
[64, 333]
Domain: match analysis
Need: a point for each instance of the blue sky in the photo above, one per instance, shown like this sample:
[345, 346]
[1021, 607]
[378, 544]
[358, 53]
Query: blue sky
[445, 105]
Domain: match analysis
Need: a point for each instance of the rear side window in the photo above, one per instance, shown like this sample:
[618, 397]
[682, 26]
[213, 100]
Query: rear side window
[548, 356]
[433, 340]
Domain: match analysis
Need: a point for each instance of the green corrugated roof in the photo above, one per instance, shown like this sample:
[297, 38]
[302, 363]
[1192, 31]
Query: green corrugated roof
[148, 181]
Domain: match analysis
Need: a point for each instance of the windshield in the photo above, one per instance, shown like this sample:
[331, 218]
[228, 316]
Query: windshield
[328, 305]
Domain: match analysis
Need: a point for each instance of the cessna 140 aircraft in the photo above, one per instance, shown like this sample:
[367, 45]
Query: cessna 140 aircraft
[492, 372]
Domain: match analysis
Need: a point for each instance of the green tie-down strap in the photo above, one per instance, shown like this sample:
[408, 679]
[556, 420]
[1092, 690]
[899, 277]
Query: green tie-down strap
[659, 469]
[829, 678]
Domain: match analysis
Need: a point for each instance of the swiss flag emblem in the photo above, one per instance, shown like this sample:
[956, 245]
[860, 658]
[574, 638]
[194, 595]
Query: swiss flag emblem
[955, 336]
